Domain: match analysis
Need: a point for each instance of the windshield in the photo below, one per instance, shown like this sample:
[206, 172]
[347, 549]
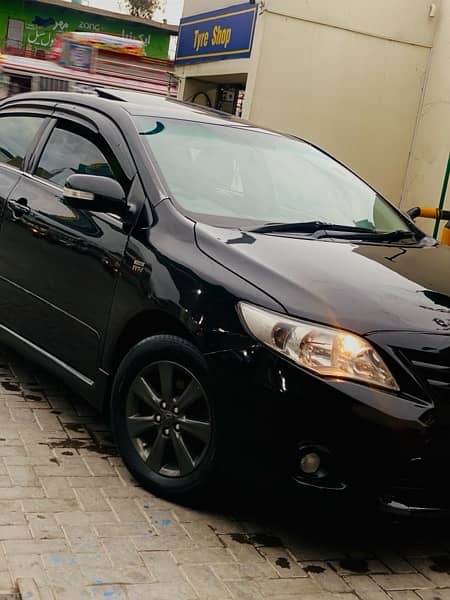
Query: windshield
[238, 176]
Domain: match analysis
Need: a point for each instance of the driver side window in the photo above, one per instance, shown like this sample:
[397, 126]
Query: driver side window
[74, 150]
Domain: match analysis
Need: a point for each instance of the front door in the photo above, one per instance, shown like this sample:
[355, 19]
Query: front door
[61, 264]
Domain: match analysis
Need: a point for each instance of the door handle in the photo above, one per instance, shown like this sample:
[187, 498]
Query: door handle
[19, 206]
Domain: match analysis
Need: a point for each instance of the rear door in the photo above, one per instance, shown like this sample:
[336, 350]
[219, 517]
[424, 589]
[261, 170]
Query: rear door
[58, 264]
[18, 131]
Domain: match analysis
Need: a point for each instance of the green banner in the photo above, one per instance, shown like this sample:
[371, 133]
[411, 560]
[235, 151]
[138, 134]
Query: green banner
[42, 22]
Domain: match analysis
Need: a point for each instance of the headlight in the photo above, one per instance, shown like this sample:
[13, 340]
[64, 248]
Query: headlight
[323, 350]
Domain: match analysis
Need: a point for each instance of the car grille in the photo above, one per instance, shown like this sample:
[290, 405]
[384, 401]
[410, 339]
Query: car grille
[434, 368]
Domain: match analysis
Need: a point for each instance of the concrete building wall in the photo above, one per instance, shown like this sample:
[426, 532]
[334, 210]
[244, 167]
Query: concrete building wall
[194, 7]
[406, 20]
[350, 81]
[431, 146]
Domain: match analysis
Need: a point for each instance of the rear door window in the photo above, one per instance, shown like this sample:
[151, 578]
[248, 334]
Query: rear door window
[17, 133]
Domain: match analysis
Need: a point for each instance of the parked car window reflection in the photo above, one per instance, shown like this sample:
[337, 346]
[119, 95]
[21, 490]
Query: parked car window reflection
[67, 153]
[16, 136]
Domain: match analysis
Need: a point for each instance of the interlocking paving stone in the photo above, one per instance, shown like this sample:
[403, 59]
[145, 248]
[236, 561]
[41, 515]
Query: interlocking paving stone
[181, 590]
[150, 541]
[431, 595]
[395, 562]
[108, 592]
[244, 590]
[326, 577]
[44, 526]
[242, 571]
[122, 552]
[408, 595]
[75, 525]
[366, 588]
[432, 571]
[403, 582]
[283, 563]
[205, 582]
[299, 586]
[162, 565]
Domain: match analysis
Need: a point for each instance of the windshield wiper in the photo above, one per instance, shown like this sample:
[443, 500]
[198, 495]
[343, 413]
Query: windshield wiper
[392, 236]
[335, 230]
[309, 227]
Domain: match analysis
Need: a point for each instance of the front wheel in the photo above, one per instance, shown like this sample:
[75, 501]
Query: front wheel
[163, 417]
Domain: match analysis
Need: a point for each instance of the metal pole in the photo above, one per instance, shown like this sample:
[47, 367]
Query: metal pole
[443, 194]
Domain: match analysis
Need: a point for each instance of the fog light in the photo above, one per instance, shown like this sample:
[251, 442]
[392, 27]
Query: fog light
[310, 463]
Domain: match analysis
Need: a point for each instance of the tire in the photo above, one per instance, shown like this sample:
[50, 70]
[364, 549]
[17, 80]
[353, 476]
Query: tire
[174, 457]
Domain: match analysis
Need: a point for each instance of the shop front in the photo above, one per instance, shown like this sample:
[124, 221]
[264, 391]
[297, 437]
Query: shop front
[214, 56]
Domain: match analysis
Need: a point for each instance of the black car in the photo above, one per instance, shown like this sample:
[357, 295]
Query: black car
[234, 298]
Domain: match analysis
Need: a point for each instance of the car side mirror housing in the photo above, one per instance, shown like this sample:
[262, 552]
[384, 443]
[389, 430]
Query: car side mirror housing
[96, 193]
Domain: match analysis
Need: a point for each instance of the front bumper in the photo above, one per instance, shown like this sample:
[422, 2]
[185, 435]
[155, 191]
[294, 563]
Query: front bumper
[377, 444]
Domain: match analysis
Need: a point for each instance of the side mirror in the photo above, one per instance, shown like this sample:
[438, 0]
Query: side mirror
[96, 193]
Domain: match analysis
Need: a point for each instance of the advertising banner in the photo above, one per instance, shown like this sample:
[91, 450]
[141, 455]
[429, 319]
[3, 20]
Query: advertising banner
[78, 56]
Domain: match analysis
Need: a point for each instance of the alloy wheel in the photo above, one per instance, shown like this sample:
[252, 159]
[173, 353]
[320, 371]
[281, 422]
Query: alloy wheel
[168, 419]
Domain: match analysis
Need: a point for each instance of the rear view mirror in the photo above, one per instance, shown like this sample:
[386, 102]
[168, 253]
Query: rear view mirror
[96, 193]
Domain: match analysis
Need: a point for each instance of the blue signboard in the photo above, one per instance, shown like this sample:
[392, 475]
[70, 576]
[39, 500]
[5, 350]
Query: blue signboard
[217, 35]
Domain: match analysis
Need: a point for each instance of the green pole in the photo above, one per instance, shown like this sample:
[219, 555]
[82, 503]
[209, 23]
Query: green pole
[443, 194]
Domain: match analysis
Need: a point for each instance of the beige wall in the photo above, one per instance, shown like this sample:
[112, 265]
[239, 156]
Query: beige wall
[356, 95]
[194, 7]
[405, 20]
[431, 146]
[214, 68]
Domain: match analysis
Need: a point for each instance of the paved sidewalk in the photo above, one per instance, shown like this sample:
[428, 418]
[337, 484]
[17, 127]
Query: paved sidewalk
[73, 525]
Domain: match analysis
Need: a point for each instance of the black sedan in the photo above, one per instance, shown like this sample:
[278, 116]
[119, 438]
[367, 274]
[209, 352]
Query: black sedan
[235, 299]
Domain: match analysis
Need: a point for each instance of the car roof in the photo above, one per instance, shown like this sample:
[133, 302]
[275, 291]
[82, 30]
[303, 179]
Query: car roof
[135, 103]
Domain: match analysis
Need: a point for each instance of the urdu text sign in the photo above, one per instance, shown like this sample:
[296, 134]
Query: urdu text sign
[217, 35]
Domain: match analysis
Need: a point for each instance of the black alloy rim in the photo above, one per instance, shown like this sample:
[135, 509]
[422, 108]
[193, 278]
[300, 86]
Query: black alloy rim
[168, 419]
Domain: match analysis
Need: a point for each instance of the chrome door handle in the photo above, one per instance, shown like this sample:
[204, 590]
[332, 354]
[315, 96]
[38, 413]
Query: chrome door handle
[19, 207]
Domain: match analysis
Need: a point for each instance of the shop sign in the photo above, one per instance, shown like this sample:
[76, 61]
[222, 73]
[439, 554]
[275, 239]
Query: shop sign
[44, 22]
[217, 35]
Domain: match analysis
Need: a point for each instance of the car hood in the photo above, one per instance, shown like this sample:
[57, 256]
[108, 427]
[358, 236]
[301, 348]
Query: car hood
[357, 286]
